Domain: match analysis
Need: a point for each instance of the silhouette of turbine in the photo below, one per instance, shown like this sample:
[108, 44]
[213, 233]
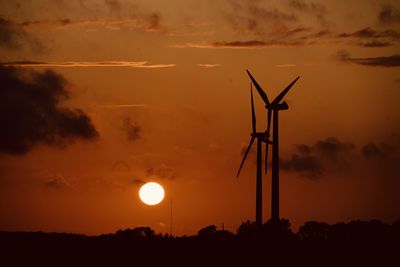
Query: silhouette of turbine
[273, 107]
[261, 137]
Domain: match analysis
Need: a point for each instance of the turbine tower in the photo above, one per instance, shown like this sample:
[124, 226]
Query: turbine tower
[261, 137]
[273, 109]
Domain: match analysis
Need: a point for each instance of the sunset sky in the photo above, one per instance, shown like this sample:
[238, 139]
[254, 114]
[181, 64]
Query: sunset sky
[99, 96]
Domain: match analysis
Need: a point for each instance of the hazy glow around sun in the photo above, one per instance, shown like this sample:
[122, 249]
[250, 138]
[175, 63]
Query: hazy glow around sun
[151, 193]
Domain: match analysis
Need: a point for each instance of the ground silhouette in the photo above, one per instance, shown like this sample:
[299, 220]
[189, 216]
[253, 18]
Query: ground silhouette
[353, 243]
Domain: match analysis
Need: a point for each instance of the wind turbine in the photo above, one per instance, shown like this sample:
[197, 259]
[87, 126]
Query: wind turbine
[261, 137]
[273, 108]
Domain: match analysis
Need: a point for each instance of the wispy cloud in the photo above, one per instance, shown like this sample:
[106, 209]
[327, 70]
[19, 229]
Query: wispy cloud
[383, 61]
[14, 37]
[123, 106]
[148, 22]
[389, 15]
[251, 44]
[285, 65]
[207, 66]
[368, 32]
[374, 44]
[76, 64]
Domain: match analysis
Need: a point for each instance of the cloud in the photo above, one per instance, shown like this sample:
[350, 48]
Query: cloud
[251, 44]
[120, 166]
[131, 128]
[374, 44]
[207, 66]
[325, 156]
[58, 182]
[114, 6]
[384, 61]
[112, 106]
[31, 112]
[285, 65]
[370, 33]
[388, 15]
[252, 17]
[318, 11]
[332, 149]
[377, 151]
[148, 21]
[76, 64]
[309, 7]
[138, 181]
[14, 37]
[163, 171]
[306, 165]
[154, 22]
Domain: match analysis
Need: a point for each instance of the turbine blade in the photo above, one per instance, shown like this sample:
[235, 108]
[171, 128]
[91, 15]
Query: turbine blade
[245, 155]
[267, 141]
[266, 156]
[259, 89]
[284, 92]
[253, 113]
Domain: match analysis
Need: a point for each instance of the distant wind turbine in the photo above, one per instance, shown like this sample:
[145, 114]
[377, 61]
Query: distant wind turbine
[261, 137]
[273, 107]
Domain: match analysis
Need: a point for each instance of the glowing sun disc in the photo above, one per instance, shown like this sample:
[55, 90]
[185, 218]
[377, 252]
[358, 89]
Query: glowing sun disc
[151, 193]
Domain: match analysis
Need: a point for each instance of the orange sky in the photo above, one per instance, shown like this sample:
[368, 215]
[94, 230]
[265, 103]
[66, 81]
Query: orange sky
[163, 84]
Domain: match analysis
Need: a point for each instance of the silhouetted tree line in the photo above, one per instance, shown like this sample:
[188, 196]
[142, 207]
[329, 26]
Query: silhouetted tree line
[315, 243]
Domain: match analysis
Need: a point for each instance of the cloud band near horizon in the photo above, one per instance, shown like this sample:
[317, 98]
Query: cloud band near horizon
[74, 64]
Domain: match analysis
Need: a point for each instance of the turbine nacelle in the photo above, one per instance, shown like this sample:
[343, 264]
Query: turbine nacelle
[261, 135]
[279, 106]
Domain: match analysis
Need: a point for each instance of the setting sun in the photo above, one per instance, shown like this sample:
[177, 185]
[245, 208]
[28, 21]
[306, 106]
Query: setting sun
[151, 193]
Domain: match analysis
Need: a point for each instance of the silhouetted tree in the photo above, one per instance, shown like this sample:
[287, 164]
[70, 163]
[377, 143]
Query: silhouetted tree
[212, 232]
[278, 230]
[247, 229]
[396, 228]
[359, 231]
[207, 231]
[138, 232]
[314, 231]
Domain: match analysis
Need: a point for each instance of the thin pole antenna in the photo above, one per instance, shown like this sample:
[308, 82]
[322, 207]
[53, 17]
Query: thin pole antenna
[170, 225]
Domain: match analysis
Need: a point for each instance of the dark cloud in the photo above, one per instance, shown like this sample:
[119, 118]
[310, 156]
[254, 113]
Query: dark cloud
[120, 166]
[374, 44]
[9, 34]
[306, 165]
[147, 21]
[31, 112]
[307, 6]
[377, 151]
[132, 129]
[318, 11]
[114, 6]
[329, 155]
[332, 149]
[14, 37]
[368, 32]
[297, 30]
[163, 171]
[384, 61]
[57, 183]
[154, 22]
[248, 44]
[138, 182]
[256, 43]
[250, 16]
[388, 15]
